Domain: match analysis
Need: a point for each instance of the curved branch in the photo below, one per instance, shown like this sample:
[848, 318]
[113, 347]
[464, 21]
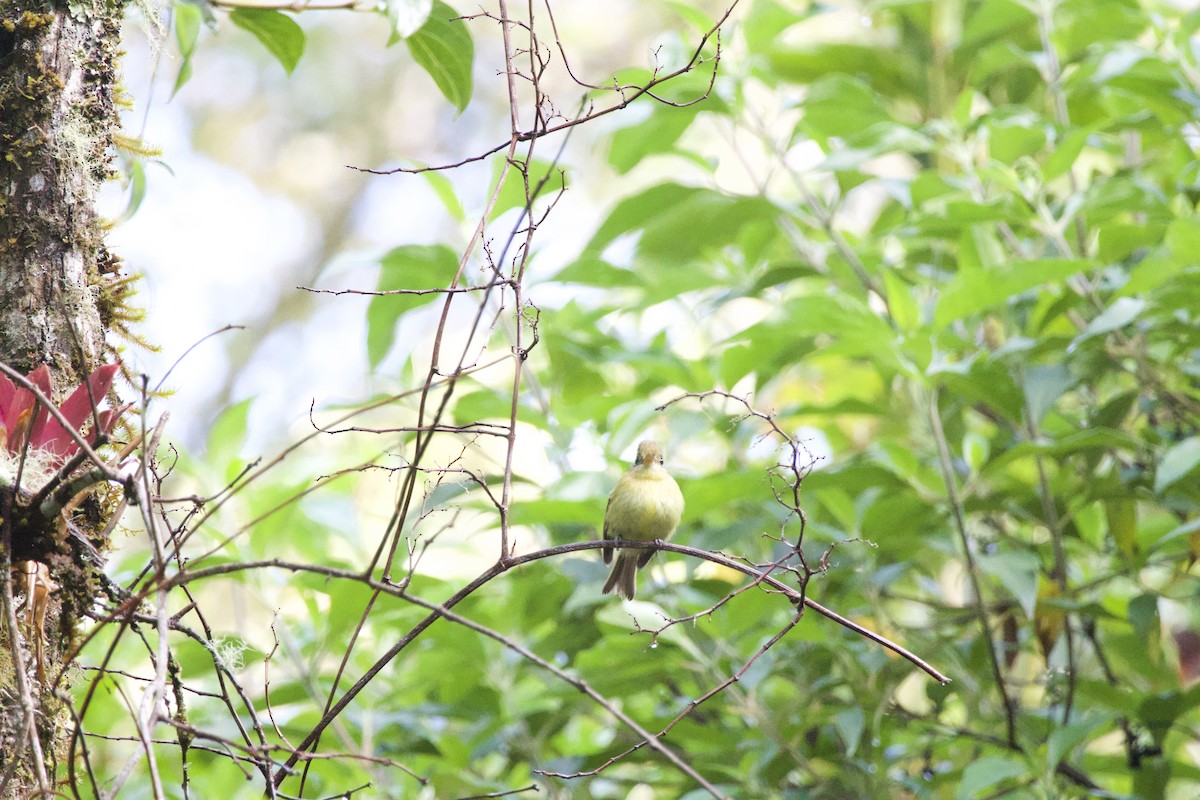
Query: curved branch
[499, 568]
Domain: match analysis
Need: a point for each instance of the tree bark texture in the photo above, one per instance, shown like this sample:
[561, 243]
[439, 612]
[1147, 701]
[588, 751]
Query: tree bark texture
[57, 81]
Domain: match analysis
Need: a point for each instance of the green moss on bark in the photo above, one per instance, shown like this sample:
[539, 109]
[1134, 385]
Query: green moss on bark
[58, 76]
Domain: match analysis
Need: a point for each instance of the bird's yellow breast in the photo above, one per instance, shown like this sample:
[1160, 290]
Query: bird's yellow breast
[645, 505]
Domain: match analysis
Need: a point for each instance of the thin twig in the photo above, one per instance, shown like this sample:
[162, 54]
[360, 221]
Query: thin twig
[960, 525]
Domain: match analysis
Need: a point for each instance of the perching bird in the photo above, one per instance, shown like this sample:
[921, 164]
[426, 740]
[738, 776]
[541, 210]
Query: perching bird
[646, 505]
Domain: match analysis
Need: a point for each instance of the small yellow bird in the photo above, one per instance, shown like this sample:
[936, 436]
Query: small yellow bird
[646, 505]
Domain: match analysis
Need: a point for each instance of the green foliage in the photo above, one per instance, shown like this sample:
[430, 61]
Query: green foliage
[443, 48]
[980, 242]
[953, 252]
[436, 37]
[188, 17]
[279, 33]
[410, 268]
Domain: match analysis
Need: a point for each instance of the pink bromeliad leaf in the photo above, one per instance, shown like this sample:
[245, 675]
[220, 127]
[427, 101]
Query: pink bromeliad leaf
[24, 413]
[23, 420]
[50, 435]
[8, 390]
[107, 419]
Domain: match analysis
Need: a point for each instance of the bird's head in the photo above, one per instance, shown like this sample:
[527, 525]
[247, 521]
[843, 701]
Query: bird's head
[649, 454]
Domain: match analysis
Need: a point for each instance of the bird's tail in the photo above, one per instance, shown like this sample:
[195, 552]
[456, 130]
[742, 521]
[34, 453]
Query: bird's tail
[623, 577]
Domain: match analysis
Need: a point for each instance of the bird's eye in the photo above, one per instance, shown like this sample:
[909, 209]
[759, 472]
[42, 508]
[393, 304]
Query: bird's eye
[660, 460]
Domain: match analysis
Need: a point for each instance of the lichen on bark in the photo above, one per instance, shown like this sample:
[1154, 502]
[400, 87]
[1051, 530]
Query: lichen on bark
[58, 75]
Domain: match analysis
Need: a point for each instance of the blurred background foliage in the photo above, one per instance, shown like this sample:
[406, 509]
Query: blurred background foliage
[949, 245]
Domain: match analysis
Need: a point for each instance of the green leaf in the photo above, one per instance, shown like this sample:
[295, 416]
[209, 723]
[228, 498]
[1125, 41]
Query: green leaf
[542, 176]
[884, 72]
[1079, 442]
[1121, 516]
[682, 231]
[188, 17]
[1142, 613]
[137, 188]
[1154, 270]
[1117, 62]
[778, 272]
[656, 134]
[1159, 712]
[975, 450]
[482, 405]
[588, 271]
[764, 21]
[853, 330]
[1099, 694]
[976, 290]
[411, 267]
[879, 139]
[1183, 240]
[1186, 529]
[1118, 240]
[1043, 386]
[839, 105]
[226, 437]
[850, 723]
[278, 32]
[715, 491]
[444, 189]
[1013, 135]
[857, 329]
[990, 21]
[560, 512]
[1123, 311]
[695, 17]
[1062, 158]
[681, 222]
[986, 381]
[1017, 572]
[1063, 740]
[443, 48]
[1177, 463]
[985, 773]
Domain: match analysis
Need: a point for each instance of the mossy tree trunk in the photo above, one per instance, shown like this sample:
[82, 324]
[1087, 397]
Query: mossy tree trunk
[57, 80]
